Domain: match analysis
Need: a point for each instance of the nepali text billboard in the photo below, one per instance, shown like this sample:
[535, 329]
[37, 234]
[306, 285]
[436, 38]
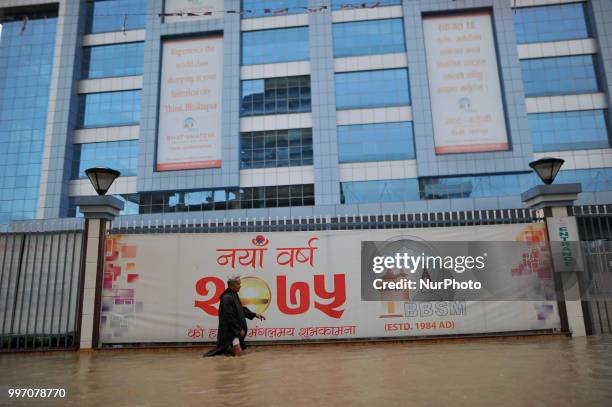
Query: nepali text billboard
[166, 287]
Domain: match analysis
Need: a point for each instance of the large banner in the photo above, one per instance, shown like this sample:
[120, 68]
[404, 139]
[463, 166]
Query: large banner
[466, 100]
[166, 287]
[189, 133]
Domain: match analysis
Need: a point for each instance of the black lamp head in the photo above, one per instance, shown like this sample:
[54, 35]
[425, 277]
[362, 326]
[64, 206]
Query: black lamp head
[102, 178]
[547, 168]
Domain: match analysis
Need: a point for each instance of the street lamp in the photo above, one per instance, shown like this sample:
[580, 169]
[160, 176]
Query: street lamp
[102, 178]
[547, 168]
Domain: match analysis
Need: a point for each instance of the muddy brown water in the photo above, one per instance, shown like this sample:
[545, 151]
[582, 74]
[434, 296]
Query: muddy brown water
[553, 371]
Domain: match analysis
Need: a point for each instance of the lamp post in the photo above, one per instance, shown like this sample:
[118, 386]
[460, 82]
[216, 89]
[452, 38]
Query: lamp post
[555, 201]
[97, 210]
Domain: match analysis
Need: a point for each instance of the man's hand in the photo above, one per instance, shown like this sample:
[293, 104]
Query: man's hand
[260, 317]
[242, 333]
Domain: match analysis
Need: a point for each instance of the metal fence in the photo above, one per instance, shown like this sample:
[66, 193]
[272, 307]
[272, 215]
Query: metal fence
[595, 230]
[316, 223]
[39, 290]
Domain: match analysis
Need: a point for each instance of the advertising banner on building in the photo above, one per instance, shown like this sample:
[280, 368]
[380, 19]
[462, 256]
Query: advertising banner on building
[166, 287]
[464, 86]
[191, 10]
[189, 133]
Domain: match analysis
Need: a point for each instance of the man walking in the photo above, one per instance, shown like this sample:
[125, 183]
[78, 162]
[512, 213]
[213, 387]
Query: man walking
[232, 321]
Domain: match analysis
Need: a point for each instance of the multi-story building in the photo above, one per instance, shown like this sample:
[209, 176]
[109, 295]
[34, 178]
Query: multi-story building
[300, 108]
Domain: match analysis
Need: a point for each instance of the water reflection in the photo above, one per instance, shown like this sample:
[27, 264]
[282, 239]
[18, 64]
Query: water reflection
[535, 371]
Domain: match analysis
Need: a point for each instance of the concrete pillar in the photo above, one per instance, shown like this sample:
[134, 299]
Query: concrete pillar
[91, 279]
[555, 200]
[97, 211]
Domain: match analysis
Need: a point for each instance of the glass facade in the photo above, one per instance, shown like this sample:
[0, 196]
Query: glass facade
[375, 142]
[109, 109]
[595, 179]
[387, 190]
[113, 60]
[350, 4]
[259, 8]
[115, 15]
[26, 62]
[559, 75]
[367, 137]
[218, 199]
[279, 45]
[369, 37]
[275, 95]
[275, 148]
[577, 130]
[120, 155]
[358, 90]
[557, 22]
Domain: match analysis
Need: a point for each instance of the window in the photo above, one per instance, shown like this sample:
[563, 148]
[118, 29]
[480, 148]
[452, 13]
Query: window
[375, 142]
[109, 109]
[594, 179]
[351, 4]
[551, 23]
[559, 75]
[119, 155]
[270, 46]
[260, 8]
[275, 148]
[113, 60]
[369, 37]
[275, 95]
[388, 190]
[114, 15]
[215, 199]
[569, 130]
[356, 90]
[475, 186]
[26, 60]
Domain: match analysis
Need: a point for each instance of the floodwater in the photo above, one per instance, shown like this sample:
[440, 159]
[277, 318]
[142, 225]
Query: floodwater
[549, 371]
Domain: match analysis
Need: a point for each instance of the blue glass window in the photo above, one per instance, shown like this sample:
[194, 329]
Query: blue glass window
[259, 8]
[113, 60]
[557, 22]
[351, 4]
[275, 95]
[274, 196]
[594, 179]
[375, 142]
[355, 90]
[569, 130]
[369, 37]
[120, 155]
[276, 148]
[110, 109]
[559, 75]
[113, 15]
[270, 46]
[387, 190]
[26, 61]
[475, 186]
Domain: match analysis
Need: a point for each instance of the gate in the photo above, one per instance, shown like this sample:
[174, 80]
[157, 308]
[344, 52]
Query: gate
[595, 230]
[39, 290]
